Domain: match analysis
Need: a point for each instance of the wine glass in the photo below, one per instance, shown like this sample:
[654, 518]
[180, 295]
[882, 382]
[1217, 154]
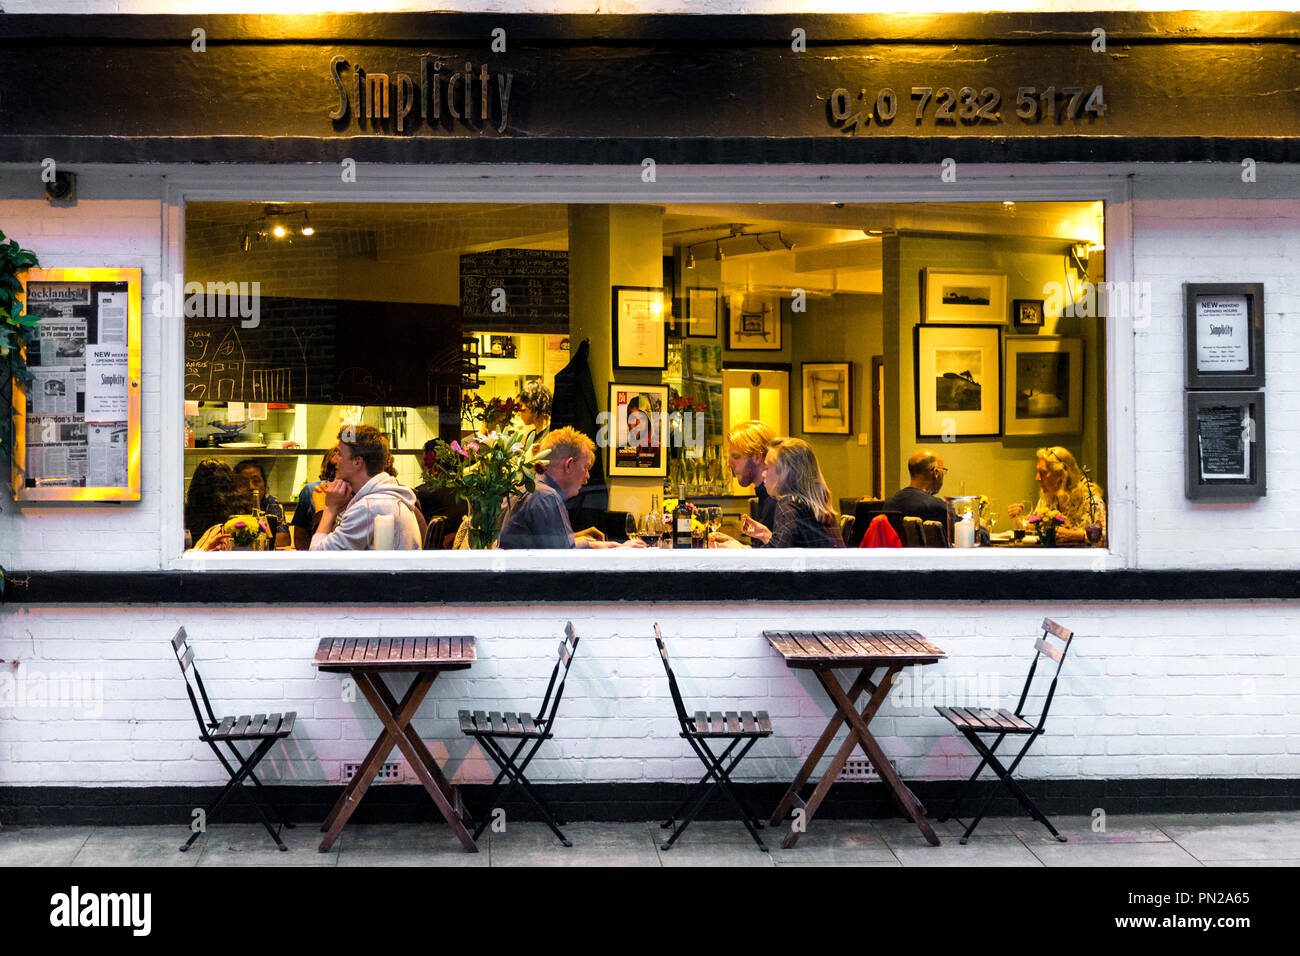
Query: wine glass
[1020, 519]
[651, 529]
[632, 527]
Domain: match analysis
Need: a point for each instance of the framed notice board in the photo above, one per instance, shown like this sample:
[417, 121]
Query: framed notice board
[77, 424]
[1225, 335]
[1225, 445]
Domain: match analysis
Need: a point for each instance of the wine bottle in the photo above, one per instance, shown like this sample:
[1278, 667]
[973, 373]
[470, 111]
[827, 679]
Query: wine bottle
[681, 521]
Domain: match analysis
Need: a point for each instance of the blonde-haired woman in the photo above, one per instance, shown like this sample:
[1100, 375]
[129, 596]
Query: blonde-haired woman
[804, 517]
[1064, 488]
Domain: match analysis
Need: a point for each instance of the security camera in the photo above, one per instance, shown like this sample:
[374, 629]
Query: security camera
[63, 191]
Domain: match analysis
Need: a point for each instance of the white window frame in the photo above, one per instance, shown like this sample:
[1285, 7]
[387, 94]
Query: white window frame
[714, 184]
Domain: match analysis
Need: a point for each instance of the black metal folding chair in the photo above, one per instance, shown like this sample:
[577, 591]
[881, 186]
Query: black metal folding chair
[973, 722]
[741, 730]
[491, 729]
[260, 732]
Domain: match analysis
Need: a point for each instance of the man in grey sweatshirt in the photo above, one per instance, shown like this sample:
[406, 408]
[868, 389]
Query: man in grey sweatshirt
[361, 492]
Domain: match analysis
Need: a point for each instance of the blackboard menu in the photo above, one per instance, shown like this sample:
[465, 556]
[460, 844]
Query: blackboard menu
[326, 351]
[515, 290]
[1221, 431]
[1225, 445]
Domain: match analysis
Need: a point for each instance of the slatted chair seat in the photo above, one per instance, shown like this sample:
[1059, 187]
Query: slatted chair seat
[259, 731]
[973, 722]
[740, 729]
[744, 724]
[489, 728]
[499, 725]
[994, 721]
[257, 727]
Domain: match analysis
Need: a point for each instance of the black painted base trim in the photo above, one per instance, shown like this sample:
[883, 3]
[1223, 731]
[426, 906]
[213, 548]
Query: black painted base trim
[629, 802]
[685, 587]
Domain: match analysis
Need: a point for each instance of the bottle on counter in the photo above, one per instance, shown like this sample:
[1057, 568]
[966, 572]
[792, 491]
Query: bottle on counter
[189, 434]
[682, 521]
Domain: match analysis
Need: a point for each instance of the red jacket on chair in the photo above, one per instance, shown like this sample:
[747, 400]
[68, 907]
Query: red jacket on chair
[881, 534]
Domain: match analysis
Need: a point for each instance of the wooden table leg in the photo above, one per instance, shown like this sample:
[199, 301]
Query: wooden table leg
[425, 757]
[846, 748]
[376, 755]
[367, 772]
[809, 765]
[911, 806]
[397, 728]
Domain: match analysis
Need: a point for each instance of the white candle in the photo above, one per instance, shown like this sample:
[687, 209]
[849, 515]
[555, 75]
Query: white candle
[965, 533]
[385, 533]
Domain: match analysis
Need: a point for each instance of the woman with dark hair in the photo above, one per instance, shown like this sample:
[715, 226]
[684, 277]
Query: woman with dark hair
[536, 413]
[251, 471]
[215, 494]
[310, 501]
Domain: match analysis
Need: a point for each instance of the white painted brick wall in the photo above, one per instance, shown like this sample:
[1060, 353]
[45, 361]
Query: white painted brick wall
[1148, 690]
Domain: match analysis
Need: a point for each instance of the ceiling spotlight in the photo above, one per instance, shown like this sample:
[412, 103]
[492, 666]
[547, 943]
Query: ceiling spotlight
[308, 230]
[276, 223]
[717, 251]
[690, 259]
[278, 231]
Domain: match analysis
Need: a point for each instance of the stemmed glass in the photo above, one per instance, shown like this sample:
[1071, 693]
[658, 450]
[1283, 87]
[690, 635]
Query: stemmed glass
[713, 519]
[632, 527]
[651, 529]
[1020, 519]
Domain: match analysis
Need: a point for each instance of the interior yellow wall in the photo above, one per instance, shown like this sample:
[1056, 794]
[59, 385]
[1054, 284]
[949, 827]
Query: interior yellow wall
[836, 329]
[1001, 468]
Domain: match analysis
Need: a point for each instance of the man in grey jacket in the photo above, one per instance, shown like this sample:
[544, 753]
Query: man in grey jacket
[361, 492]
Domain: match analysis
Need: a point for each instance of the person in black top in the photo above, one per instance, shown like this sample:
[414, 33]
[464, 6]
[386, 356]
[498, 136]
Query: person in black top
[803, 515]
[747, 450]
[439, 501]
[920, 498]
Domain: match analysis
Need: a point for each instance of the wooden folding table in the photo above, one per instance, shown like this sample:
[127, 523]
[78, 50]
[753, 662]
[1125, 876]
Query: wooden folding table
[365, 661]
[821, 652]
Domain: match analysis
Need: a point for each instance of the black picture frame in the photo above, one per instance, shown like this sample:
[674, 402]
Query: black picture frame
[620, 296]
[1200, 353]
[1213, 444]
[1027, 315]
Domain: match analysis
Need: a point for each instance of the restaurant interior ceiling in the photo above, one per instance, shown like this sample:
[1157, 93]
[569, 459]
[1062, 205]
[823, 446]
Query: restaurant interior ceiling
[836, 246]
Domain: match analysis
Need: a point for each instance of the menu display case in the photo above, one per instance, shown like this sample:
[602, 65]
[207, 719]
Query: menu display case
[77, 424]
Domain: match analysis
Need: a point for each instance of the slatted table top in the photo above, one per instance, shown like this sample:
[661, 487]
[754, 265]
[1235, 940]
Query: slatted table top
[395, 653]
[844, 648]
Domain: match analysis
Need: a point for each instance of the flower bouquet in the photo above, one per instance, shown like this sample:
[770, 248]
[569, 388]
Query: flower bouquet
[247, 533]
[1046, 525]
[486, 471]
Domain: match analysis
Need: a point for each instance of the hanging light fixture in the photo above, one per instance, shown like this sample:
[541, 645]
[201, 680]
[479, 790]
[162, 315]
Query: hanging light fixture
[276, 224]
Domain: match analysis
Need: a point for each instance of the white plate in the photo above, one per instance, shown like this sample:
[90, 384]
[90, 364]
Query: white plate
[243, 444]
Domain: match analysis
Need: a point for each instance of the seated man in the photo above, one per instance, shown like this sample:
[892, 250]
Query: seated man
[539, 519]
[920, 498]
[362, 491]
[748, 443]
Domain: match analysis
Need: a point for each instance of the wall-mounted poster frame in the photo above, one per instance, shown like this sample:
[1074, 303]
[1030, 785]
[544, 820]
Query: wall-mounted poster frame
[1225, 334]
[77, 425]
[958, 376]
[1043, 385]
[640, 330]
[1225, 445]
[963, 297]
[755, 324]
[638, 446]
[827, 398]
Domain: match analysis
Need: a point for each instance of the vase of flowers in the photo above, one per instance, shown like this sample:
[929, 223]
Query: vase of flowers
[1046, 525]
[1092, 530]
[485, 471]
[247, 533]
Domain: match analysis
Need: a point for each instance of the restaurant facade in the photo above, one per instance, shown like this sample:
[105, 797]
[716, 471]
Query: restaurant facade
[843, 226]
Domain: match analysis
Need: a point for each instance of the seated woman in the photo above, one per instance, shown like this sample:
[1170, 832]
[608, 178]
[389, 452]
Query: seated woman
[251, 471]
[311, 501]
[536, 413]
[1065, 489]
[215, 494]
[804, 517]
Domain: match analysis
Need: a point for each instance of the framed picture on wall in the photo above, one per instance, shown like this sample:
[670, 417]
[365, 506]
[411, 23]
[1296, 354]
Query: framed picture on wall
[827, 398]
[1044, 385]
[754, 323]
[1027, 315]
[958, 375]
[702, 313]
[1225, 335]
[639, 327]
[637, 445]
[951, 296]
